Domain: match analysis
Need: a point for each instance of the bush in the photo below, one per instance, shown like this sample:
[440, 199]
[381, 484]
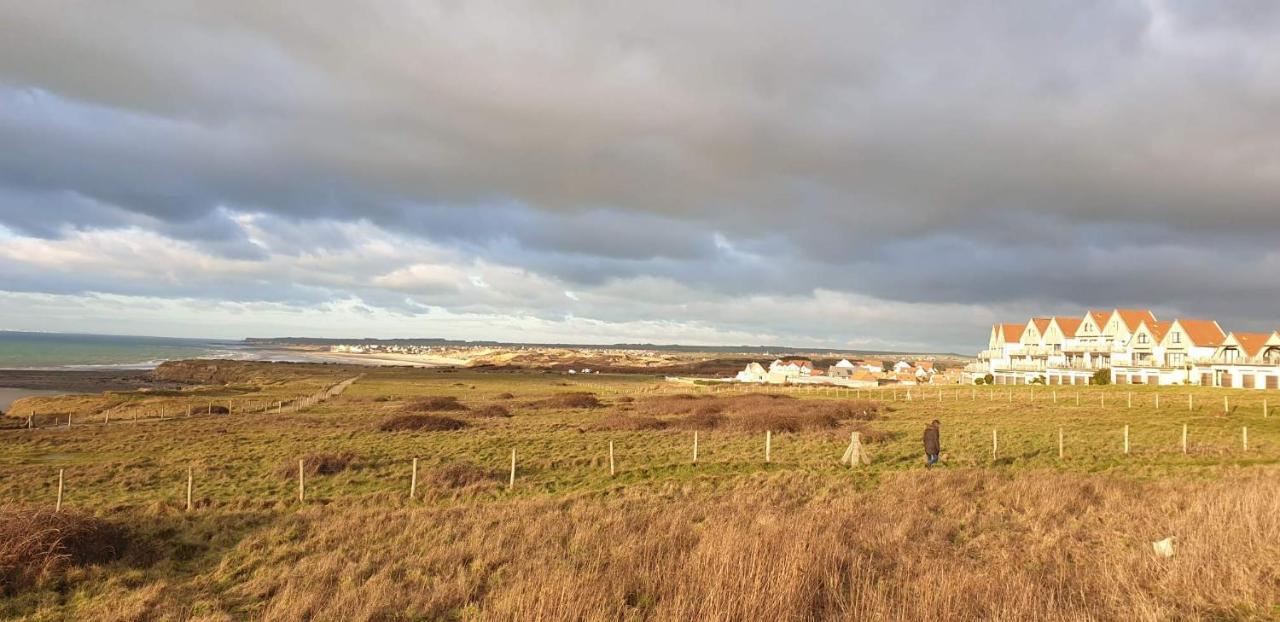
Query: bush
[435, 403]
[37, 546]
[979, 381]
[317, 464]
[756, 413]
[630, 423]
[989, 378]
[569, 400]
[492, 410]
[1101, 377]
[429, 423]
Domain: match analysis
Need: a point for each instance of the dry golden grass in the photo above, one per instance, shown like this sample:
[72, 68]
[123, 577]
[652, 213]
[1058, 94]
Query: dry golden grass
[965, 545]
[37, 545]
[1021, 535]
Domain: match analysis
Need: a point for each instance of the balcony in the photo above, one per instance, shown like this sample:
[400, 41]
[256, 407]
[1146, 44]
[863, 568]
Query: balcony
[1038, 351]
[1088, 348]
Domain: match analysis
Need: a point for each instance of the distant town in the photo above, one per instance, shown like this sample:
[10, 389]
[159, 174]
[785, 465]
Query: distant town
[1127, 346]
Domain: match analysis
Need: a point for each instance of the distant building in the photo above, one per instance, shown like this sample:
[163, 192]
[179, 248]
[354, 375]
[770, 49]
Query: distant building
[754, 372]
[1134, 347]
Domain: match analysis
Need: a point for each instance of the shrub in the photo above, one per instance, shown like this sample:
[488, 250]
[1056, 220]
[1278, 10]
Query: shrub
[1101, 377]
[989, 378]
[779, 413]
[630, 423]
[569, 400]
[38, 545]
[429, 423]
[435, 403]
[979, 381]
[492, 410]
[317, 464]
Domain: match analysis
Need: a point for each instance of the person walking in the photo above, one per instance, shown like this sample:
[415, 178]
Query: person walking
[932, 443]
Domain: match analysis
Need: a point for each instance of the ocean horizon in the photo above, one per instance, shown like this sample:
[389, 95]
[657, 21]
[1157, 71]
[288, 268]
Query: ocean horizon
[72, 351]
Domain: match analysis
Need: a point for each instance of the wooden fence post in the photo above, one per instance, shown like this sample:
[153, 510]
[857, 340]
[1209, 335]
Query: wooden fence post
[695, 447]
[1059, 442]
[611, 469]
[1244, 438]
[512, 482]
[1130, 400]
[1055, 396]
[1104, 399]
[1126, 438]
[995, 443]
[302, 486]
[1157, 401]
[1184, 438]
[58, 506]
[1265, 410]
[1077, 397]
[768, 445]
[413, 480]
[1191, 401]
[1226, 406]
[190, 483]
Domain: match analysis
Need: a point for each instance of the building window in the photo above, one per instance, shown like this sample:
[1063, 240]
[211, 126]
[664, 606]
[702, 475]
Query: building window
[1231, 355]
[1177, 336]
[1142, 337]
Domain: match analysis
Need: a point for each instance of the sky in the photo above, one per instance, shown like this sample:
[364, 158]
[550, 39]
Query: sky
[842, 174]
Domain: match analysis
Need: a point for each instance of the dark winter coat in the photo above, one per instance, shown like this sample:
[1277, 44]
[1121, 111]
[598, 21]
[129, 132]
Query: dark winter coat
[932, 442]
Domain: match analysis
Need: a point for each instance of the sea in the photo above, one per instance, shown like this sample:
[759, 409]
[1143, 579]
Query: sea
[59, 351]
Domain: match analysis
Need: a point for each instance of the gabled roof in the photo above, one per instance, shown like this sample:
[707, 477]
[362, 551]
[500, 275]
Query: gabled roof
[1068, 325]
[1133, 317]
[1100, 318]
[1251, 343]
[1158, 330]
[1042, 323]
[1203, 333]
[1012, 332]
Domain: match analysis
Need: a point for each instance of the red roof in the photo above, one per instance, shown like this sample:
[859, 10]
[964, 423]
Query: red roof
[1069, 325]
[1203, 333]
[1041, 323]
[1251, 343]
[1013, 332]
[1133, 317]
[1158, 330]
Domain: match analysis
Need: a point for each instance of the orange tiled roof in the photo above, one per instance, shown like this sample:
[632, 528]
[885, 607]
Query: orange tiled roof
[1069, 325]
[1041, 323]
[1251, 343]
[1013, 332]
[1100, 318]
[1158, 330]
[1203, 333]
[1133, 317]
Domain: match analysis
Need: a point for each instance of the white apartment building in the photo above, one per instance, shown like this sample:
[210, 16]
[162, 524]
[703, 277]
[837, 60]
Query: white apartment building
[1134, 346]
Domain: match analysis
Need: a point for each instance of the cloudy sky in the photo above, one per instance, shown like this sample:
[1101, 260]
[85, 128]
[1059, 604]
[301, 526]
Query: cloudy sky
[840, 174]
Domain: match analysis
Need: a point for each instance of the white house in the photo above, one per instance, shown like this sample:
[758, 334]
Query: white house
[754, 372]
[781, 371]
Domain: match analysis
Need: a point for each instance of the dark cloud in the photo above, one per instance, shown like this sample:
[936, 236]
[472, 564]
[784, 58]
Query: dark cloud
[1056, 155]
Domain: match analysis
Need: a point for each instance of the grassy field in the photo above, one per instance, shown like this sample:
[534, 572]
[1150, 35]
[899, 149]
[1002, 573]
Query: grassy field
[1021, 534]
